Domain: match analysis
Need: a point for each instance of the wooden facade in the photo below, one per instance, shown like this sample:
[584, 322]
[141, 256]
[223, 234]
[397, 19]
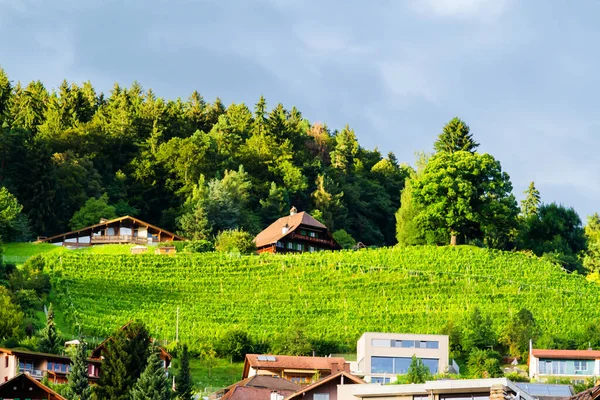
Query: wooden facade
[123, 230]
[296, 233]
[24, 387]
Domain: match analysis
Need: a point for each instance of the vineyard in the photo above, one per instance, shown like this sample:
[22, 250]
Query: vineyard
[337, 295]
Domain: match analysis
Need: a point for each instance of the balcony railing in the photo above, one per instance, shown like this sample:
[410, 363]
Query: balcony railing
[121, 239]
[313, 239]
[36, 373]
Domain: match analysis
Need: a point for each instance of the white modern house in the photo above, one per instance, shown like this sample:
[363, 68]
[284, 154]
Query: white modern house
[383, 356]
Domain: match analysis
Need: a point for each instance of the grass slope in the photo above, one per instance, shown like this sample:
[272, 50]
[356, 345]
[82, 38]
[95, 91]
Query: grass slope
[335, 296]
[18, 253]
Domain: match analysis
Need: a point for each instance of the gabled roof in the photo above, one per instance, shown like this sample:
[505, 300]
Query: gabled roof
[133, 219]
[567, 354]
[19, 352]
[306, 363]
[346, 375]
[274, 232]
[266, 382]
[252, 393]
[11, 388]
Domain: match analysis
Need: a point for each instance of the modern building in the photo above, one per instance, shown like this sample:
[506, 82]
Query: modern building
[461, 389]
[383, 356]
[37, 365]
[115, 231]
[298, 232]
[300, 370]
[576, 365]
[23, 386]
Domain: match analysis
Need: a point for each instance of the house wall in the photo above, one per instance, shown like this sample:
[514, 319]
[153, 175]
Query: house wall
[366, 350]
[536, 365]
[7, 370]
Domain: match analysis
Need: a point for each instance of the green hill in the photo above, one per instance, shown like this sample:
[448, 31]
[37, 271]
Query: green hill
[336, 296]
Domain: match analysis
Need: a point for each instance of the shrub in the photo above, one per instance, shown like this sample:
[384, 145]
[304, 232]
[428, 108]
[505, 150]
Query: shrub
[198, 246]
[235, 344]
[235, 241]
[344, 239]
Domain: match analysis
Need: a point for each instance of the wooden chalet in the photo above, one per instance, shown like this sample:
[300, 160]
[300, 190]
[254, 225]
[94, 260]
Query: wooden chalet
[24, 386]
[298, 232]
[121, 230]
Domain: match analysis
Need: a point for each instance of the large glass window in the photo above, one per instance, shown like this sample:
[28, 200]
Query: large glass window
[382, 365]
[553, 367]
[407, 343]
[581, 365]
[432, 364]
[321, 396]
[382, 380]
[401, 365]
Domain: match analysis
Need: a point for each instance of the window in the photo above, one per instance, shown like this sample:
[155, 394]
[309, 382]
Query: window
[299, 246]
[406, 344]
[321, 396]
[311, 249]
[280, 244]
[312, 234]
[376, 379]
[433, 345]
[581, 365]
[553, 367]
[290, 245]
[432, 364]
[382, 365]
[50, 366]
[303, 232]
[380, 342]
[399, 365]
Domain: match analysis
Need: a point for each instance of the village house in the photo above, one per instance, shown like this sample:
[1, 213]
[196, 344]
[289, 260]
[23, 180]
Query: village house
[301, 370]
[576, 365]
[383, 356]
[23, 386]
[298, 232]
[123, 230]
[257, 387]
[37, 365]
[326, 388]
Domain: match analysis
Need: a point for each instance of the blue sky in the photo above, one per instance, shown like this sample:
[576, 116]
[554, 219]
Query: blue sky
[522, 74]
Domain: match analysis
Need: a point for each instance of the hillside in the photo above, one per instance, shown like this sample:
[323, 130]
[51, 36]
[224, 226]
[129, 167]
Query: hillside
[334, 295]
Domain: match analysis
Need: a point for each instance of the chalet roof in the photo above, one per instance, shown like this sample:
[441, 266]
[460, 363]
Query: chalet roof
[111, 221]
[276, 362]
[21, 352]
[274, 232]
[567, 354]
[24, 382]
[252, 393]
[346, 375]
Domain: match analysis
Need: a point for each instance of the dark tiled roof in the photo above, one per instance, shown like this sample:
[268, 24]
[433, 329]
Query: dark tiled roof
[351, 378]
[274, 231]
[252, 393]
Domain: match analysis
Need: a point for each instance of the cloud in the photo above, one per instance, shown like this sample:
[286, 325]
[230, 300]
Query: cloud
[461, 9]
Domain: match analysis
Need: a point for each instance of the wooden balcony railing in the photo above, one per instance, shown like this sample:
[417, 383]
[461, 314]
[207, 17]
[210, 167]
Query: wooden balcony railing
[121, 239]
[313, 239]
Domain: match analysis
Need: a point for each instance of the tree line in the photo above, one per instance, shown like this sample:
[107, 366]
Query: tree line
[190, 166]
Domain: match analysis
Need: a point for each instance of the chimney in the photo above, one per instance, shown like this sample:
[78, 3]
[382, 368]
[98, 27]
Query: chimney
[347, 367]
[293, 210]
[276, 396]
[285, 229]
[334, 368]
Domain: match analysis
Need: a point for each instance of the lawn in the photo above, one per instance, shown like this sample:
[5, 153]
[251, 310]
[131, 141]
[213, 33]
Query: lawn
[224, 373]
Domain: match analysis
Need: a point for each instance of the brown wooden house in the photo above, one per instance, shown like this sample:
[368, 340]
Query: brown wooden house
[115, 231]
[24, 386]
[298, 232]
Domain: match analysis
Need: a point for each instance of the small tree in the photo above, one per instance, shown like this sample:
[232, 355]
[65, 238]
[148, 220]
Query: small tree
[529, 206]
[79, 387]
[235, 241]
[50, 339]
[293, 341]
[183, 380]
[456, 136]
[91, 212]
[418, 372]
[517, 333]
[344, 239]
[235, 344]
[153, 383]
[484, 364]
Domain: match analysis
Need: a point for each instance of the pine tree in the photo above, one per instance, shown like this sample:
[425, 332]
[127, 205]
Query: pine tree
[529, 206]
[455, 137]
[153, 383]
[418, 372]
[184, 378]
[49, 340]
[79, 387]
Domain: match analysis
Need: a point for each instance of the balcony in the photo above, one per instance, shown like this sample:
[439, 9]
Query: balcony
[327, 242]
[35, 373]
[115, 239]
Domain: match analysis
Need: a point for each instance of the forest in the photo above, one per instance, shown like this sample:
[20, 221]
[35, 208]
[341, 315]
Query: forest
[177, 163]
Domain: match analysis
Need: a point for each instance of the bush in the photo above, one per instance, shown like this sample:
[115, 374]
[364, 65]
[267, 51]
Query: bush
[344, 239]
[235, 241]
[198, 246]
[235, 344]
[516, 377]
[484, 364]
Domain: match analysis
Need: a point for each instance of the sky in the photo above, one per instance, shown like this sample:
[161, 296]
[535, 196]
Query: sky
[524, 75]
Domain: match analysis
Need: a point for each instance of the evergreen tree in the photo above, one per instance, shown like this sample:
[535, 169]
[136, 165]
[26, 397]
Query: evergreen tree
[5, 94]
[418, 372]
[125, 357]
[529, 205]
[275, 205]
[183, 381]
[50, 339]
[455, 137]
[153, 383]
[78, 381]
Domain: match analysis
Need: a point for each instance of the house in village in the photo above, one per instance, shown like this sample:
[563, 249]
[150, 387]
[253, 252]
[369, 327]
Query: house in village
[381, 357]
[301, 370]
[23, 386]
[326, 388]
[36, 365]
[257, 387]
[576, 365]
[123, 230]
[297, 232]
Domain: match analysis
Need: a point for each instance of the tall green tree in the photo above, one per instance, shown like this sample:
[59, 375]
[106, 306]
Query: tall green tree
[50, 340]
[591, 260]
[78, 380]
[183, 381]
[343, 157]
[125, 357]
[455, 137]
[517, 333]
[153, 383]
[467, 195]
[418, 372]
[477, 331]
[329, 203]
[532, 201]
[92, 211]
[11, 316]
[275, 205]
